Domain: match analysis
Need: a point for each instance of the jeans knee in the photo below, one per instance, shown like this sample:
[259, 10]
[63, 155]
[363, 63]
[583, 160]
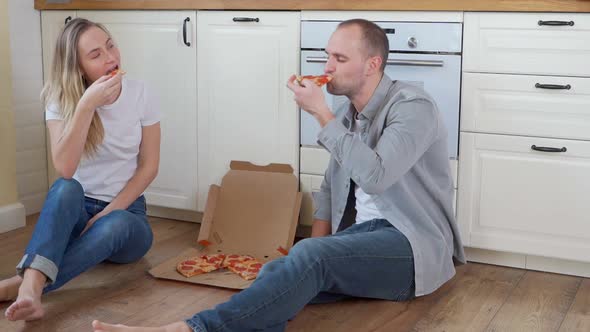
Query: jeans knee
[307, 250]
[67, 188]
[122, 226]
[117, 223]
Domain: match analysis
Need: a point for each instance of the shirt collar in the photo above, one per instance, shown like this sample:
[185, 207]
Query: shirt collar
[375, 102]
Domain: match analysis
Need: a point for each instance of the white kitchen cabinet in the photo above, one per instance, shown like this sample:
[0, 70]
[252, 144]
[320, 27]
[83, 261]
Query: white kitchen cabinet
[524, 154]
[527, 43]
[153, 50]
[245, 110]
[52, 21]
[517, 199]
[519, 105]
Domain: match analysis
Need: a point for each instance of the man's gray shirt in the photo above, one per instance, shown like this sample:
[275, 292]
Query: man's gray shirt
[400, 157]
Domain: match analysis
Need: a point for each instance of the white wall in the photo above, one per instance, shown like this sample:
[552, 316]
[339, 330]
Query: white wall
[12, 212]
[27, 74]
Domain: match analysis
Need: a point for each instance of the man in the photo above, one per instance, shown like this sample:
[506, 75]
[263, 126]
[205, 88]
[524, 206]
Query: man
[386, 198]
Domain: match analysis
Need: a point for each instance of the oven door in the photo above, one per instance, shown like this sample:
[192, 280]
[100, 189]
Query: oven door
[438, 74]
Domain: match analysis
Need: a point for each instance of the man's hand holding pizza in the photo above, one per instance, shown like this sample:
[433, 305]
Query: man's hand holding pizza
[310, 97]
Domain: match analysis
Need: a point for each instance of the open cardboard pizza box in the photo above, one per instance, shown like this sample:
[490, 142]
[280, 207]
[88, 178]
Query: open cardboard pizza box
[254, 212]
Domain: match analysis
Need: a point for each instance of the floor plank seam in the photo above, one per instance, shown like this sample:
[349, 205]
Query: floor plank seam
[571, 304]
[505, 299]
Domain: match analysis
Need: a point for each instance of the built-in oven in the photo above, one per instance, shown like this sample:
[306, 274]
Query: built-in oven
[423, 54]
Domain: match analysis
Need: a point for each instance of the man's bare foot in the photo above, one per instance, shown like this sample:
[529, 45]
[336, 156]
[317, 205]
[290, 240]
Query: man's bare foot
[9, 288]
[174, 327]
[25, 308]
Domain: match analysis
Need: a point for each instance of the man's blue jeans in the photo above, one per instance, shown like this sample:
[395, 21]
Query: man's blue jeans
[56, 247]
[372, 259]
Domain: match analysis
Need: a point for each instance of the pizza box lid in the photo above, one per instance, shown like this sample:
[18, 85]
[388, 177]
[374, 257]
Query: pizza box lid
[254, 212]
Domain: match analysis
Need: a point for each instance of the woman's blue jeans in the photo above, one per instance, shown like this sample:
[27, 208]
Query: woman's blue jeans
[372, 259]
[56, 247]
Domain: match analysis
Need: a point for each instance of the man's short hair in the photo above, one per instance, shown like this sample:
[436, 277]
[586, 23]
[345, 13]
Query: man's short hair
[374, 38]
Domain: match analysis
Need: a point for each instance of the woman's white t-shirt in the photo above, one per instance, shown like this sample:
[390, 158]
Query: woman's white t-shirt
[105, 174]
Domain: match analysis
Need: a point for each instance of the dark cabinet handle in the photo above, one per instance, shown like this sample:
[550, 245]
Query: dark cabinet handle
[553, 86]
[246, 19]
[68, 19]
[556, 23]
[548, 149]
[186, 42]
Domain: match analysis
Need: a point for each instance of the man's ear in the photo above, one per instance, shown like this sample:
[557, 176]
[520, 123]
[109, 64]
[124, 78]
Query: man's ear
[374, 64]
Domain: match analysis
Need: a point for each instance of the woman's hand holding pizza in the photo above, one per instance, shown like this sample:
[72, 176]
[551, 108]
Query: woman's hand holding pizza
[104, 91]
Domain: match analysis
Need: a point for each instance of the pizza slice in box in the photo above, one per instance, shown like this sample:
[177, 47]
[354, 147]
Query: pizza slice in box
[319, 80]
[247, 269]
[234, 259]
[216, 259]
[194, 266]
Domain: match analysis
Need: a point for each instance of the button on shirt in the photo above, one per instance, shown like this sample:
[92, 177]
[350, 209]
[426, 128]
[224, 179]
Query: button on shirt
[401, 160]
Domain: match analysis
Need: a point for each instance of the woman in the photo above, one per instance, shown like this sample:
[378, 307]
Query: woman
[105, 144]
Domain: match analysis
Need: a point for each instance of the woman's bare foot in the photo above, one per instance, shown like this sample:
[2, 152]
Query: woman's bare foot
[28, 303]
[174, 327]
[25, 308]
[9, 288]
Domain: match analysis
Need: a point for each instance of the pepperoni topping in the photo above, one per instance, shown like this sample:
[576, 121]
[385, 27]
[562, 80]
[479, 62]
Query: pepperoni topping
[186, 268]
[189, 262]
[256, 265]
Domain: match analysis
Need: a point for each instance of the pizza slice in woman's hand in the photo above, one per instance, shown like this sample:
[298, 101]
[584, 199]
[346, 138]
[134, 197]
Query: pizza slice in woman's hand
[117, 70]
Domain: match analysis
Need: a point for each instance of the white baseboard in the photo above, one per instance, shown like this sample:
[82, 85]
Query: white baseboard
[495, 257]
[176, 214]
[12, 217]
[581, 269]
[33, 203]
[529, 262]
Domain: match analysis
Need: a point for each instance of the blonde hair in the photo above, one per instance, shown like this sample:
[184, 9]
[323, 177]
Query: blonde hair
[66, 83]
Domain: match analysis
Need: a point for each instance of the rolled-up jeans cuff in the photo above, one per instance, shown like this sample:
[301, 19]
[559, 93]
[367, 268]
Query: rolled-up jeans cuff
[39, 263]
[195, 326]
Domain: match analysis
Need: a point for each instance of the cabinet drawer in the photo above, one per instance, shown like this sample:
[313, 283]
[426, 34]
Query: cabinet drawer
[513, 198]
[516, 104]
[517, 43]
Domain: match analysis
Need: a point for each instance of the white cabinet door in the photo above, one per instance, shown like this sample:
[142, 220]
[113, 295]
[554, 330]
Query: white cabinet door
[52, 21]
[517, 199]
[153, 50]
[527, 43]
[246, 112]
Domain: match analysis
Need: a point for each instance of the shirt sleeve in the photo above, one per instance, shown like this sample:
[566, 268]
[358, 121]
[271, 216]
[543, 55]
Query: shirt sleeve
[410, 131]
[52, 113]
[151, 109]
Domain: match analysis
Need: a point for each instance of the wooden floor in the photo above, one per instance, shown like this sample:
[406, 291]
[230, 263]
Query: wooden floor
[480, 298]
